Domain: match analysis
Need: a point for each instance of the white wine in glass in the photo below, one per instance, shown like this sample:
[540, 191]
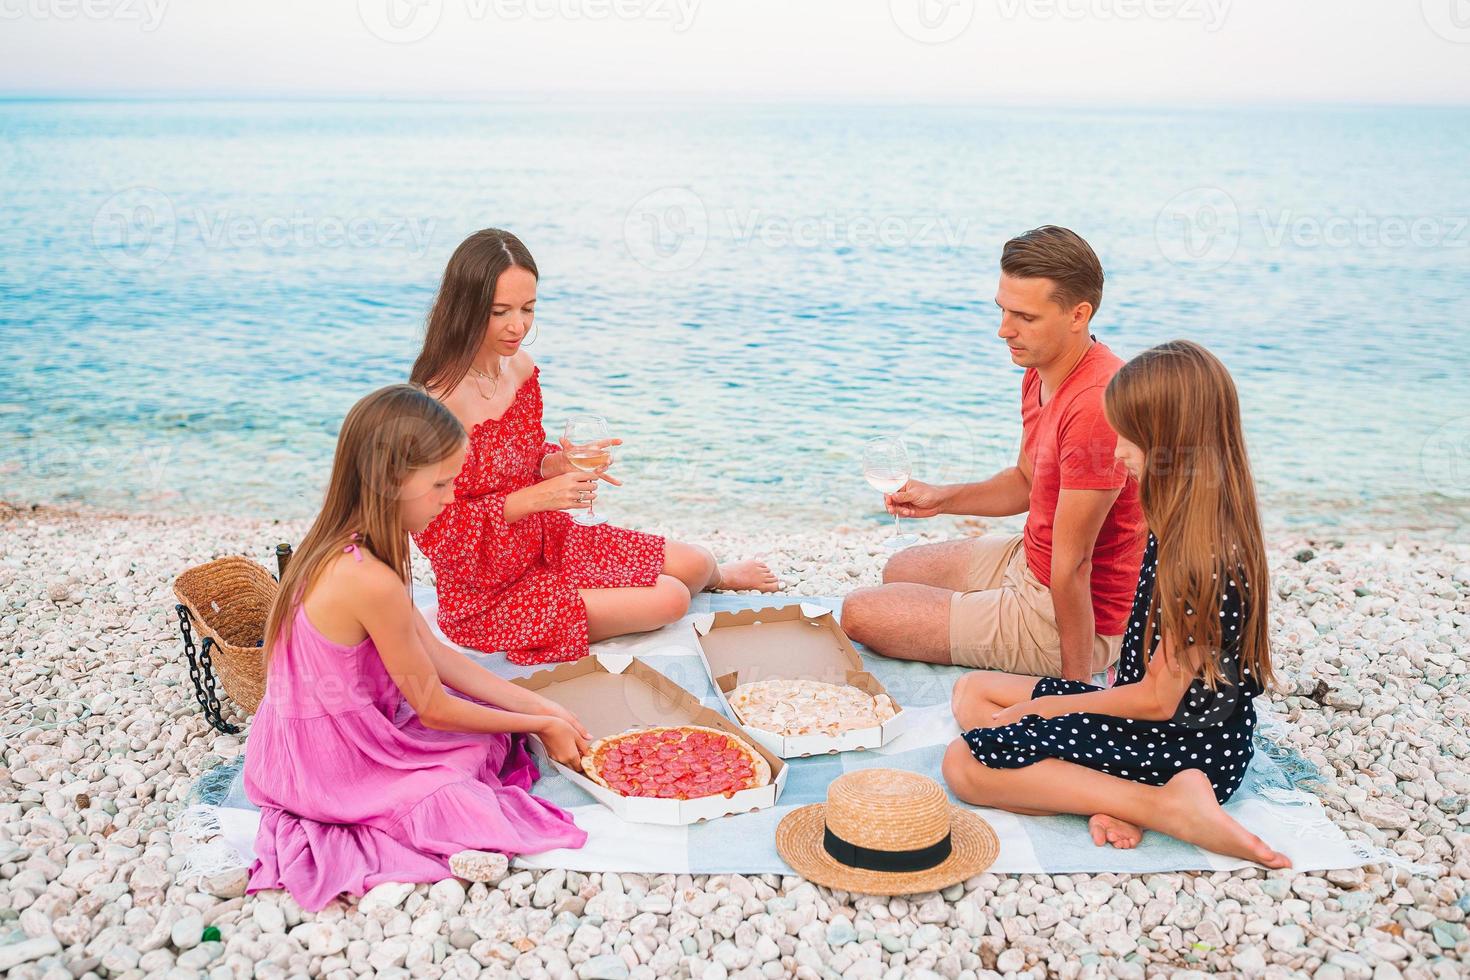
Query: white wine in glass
[887, 468]
[587, 437]
[589, 459]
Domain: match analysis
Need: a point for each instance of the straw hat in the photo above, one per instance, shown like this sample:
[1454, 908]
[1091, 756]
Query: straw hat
[886, 832]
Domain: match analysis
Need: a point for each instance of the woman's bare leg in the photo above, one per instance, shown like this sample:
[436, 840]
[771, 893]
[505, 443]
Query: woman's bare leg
[980, 694]
[617, 612]
[696, 567]
[1184, 808]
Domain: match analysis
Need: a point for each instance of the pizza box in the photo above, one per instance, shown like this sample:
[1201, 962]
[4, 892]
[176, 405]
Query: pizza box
[801, 642]
[612, 693]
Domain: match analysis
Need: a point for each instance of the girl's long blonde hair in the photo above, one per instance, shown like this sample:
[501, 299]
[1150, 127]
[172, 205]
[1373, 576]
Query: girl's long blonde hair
[385, 436]
[1178, 404]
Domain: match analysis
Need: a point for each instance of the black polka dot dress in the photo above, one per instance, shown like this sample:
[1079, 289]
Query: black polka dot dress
[1211, 731]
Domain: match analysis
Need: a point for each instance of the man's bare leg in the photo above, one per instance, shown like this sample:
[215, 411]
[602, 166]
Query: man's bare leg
[902, 620]
[943, 565]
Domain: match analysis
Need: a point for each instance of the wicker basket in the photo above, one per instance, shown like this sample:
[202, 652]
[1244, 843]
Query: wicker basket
[226, 601]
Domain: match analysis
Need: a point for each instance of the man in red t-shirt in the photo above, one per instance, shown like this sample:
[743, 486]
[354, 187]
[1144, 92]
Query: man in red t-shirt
[1054, 600]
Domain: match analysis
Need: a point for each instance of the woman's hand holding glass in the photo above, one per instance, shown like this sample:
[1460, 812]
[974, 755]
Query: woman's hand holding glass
[558, 463]
[587, 446]
[574, 490]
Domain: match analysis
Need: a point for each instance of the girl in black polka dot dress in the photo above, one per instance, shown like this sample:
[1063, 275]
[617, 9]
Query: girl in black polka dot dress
[1170, 742]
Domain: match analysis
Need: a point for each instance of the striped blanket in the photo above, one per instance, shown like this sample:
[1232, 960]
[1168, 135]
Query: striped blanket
[1269, 803]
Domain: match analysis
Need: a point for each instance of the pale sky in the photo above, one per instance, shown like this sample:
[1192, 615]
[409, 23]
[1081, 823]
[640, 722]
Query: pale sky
[1132, 52]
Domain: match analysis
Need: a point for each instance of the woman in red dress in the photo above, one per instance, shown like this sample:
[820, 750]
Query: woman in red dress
[513, 571]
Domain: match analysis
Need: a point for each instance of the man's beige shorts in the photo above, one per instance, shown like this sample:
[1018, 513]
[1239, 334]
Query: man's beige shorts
[1005, 620]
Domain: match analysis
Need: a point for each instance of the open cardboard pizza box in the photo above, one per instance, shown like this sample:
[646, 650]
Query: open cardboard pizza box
[801, 642]
[612, 693]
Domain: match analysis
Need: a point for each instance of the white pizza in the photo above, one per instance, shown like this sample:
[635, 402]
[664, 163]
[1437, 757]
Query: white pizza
[788, 706]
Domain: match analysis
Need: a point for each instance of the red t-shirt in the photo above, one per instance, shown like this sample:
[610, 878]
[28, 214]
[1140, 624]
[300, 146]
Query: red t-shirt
[1070, 445]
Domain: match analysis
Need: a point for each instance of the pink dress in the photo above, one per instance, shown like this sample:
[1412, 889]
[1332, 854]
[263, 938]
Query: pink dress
[353, 791]
[513, 587]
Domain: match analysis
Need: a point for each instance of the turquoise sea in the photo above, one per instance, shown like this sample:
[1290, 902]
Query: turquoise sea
[193, 293]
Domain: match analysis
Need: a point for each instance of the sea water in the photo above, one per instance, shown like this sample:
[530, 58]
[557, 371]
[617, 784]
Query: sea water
[192, 294]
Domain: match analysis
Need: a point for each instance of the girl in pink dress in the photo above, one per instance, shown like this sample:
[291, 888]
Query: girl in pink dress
[513, 571]
[379, 751]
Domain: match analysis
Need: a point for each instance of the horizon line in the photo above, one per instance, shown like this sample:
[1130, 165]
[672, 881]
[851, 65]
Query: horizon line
[652, 98]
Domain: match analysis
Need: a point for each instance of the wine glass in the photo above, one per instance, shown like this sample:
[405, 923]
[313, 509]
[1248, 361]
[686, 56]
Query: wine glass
[887, 467]
[586, 437]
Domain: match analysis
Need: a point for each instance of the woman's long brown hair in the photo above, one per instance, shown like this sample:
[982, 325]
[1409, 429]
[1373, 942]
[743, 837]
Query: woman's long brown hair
[385, 436]
[1178, 404]
[461, 310]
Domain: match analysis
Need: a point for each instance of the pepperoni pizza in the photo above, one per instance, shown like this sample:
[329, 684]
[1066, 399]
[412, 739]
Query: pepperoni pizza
[680, 763]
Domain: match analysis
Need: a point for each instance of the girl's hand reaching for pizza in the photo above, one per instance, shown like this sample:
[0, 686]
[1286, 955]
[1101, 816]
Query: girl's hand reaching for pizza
[554, 710]
[564, 743]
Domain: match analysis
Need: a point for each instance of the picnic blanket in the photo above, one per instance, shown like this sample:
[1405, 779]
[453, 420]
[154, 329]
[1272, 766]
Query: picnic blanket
[1270, 802]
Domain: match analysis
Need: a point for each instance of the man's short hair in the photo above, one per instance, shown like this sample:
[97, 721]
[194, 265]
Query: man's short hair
[1058, 254]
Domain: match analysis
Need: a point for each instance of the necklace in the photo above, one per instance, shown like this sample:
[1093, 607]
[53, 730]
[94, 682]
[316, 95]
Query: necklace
[493, 378]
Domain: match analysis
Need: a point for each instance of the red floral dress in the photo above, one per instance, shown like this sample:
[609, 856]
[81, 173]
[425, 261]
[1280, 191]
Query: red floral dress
[513, 587]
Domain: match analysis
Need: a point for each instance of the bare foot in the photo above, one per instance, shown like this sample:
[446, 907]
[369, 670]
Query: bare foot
[740, 576]
[1191, 813]
[1110, 830]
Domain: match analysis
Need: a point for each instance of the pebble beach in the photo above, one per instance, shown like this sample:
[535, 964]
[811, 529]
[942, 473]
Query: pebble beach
[103, 740]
